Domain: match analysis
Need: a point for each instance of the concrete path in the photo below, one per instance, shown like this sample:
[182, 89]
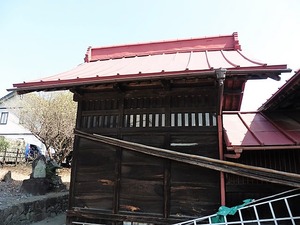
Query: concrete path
[57, 220]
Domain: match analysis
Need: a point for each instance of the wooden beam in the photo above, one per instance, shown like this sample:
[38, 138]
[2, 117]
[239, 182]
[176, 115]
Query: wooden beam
[166, 84]
[119, 87]
[259, 173]
[97, 214]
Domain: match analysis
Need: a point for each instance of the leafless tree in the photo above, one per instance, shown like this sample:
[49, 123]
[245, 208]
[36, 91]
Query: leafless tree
[51, 118]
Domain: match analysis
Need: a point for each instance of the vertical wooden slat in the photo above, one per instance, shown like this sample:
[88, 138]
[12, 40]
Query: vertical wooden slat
[146, 102]
[167, 186]
[4, 156]
[112, 121]
[100, 118]
[117, 185]
[167, 111]
[167, 163]
[74, 167]
[17, 155]
[132, 120]
[189, 116]
[145, 120]
[118, 163]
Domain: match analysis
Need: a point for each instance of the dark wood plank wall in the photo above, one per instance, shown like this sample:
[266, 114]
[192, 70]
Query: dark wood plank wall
[239, 188]
[95, 176]
[194, 191]
[121, 181]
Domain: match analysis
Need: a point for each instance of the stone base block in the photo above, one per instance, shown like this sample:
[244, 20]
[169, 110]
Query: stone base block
[36, 186]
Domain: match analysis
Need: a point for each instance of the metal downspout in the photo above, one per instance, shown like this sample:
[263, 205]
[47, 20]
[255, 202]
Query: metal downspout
[221, 73]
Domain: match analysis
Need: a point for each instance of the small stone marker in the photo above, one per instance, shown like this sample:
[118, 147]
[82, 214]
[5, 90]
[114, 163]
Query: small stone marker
[37, 184]
[43, 178]
[5, 176]
[39, 167]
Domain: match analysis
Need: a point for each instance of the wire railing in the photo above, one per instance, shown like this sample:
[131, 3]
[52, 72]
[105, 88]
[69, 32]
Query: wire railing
[278, 209]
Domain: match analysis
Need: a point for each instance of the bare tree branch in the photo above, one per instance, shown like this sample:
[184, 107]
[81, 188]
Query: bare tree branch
[51, 118]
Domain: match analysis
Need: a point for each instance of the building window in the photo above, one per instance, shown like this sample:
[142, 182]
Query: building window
[3, 119]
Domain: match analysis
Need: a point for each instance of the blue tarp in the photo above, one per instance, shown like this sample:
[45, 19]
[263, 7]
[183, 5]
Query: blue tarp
[32, 150]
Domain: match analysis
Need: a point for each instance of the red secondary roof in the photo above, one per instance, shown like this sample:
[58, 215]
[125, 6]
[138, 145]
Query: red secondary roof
[254, 130]
[153, 60]
[287, 95]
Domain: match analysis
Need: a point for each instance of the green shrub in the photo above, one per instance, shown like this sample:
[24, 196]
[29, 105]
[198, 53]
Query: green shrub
[4, 144]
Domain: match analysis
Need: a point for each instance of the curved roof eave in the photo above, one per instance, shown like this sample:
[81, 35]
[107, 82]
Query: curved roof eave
[282, 93]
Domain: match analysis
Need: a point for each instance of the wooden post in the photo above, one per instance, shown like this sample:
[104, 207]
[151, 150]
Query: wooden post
[4, 156]
[221, 74]
[17, 155]
[221, 152]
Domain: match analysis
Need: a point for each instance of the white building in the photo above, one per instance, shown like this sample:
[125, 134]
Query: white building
[10, 124]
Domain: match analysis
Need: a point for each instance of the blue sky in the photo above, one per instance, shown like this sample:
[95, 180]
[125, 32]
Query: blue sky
[40, 38]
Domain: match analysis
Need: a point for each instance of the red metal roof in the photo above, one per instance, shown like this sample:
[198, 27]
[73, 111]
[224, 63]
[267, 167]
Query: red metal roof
[225, 43]
[189, 57]
[150, 65]
[254, 130]
[286, 96]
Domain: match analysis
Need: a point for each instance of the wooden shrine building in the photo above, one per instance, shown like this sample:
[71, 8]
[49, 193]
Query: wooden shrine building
[150, 145]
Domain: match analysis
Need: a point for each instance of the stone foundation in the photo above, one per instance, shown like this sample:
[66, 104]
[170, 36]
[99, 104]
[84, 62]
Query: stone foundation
[36, 208]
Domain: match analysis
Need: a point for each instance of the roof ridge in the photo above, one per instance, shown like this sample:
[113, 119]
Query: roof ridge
[213, 43]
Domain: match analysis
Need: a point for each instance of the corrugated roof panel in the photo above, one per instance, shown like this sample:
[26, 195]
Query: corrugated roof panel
[110, 67]
[257, 122]
[287, 121]
[272, 138]
[132, 65]
[198, 60]
[237, 132]
[254, 129]
[235, 57]
[170, 62]
[217, 60]
[179, 62]
[295, 134]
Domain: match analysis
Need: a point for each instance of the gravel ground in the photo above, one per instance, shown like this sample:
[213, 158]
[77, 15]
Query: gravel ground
[10, 191]
[57, 220]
